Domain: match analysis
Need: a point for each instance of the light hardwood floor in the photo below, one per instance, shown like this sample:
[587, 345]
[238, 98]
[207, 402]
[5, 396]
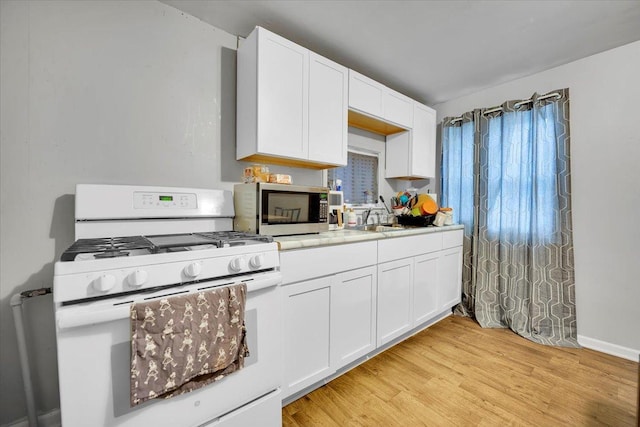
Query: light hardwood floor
[456, 373]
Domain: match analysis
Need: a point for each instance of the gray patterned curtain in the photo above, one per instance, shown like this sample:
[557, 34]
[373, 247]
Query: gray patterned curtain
[505, 171]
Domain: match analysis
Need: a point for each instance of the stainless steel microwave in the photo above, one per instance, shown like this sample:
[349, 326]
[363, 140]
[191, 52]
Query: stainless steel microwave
[280, 209]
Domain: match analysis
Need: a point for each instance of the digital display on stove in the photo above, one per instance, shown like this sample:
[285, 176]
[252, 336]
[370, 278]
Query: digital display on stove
[166, 198]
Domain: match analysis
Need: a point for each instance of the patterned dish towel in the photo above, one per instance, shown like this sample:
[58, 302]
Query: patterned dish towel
[182, 343]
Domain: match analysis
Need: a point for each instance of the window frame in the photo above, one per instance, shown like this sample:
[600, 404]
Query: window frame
[368, 148]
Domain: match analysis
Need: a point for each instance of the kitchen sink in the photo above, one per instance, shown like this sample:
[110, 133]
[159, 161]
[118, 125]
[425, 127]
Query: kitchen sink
[378, 228]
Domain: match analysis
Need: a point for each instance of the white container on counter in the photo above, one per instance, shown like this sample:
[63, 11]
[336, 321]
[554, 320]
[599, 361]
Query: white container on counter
[440, 219]
[448, 220]
[352, 219]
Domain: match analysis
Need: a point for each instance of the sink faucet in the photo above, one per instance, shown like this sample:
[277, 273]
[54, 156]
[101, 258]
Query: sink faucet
[378, 217]
[365, 216]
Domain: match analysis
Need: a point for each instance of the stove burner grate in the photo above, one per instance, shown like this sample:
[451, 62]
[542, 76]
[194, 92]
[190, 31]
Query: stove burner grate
[226, 239]
[109, 247]
[113, 247]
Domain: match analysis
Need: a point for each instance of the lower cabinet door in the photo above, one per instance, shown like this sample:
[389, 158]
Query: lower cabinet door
[425, 287]
[353, 315]
[395, 279]
[307, 307]
[450, 269]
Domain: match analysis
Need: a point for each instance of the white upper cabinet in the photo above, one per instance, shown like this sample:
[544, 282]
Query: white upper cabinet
[291, 104]
[423, 148]
[376, 100]
[412, 154]
[409, 126]
[398, 108]
[365, 95]
[283, 84]
[328, 102]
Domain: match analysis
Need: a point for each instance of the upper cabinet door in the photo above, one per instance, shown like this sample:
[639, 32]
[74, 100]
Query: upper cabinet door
[423, 152]
[328, 103]
[291, 104]
[366, 95]
[412, 155]
[282, 94]
[398, 108]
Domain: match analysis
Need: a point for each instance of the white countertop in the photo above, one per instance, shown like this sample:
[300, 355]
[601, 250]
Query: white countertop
[346, 235]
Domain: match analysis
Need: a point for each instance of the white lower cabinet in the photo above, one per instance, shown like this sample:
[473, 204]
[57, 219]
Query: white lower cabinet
[328, 323]
[425, 287]
[395, 283]
[450, 277]
[408, 294]
[307, 327]
[329, 297]
[360, 297]
[353, 315]
[420, 277]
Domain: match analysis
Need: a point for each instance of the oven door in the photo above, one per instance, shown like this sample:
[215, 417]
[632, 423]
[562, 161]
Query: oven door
[94, 363]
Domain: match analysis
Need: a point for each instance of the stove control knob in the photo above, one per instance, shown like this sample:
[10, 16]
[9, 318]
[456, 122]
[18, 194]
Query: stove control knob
[238, 264]
[137, 278]
[193, 270]
[257, 261]
[104, 283]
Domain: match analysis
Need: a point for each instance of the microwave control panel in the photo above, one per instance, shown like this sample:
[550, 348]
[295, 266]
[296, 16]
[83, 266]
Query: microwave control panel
[324, 210]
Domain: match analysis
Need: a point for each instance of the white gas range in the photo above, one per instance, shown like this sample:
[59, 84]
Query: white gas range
[138, 244]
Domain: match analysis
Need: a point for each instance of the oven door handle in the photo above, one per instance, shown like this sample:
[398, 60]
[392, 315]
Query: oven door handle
[86, 315]
[269, 281]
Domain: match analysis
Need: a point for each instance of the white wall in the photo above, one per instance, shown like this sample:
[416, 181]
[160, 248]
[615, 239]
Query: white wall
[605, 162]
[130, 92]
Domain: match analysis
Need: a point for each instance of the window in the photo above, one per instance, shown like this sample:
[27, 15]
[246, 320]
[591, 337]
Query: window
[518, 174]
[457, 172]
[521, 174]
[359, 177]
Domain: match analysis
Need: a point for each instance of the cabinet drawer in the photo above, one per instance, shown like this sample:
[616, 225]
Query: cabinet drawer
[303, 264]
[409, 246]
[451, 239]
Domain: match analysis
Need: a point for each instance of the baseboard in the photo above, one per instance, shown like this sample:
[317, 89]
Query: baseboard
[608, 348]
[50, 419]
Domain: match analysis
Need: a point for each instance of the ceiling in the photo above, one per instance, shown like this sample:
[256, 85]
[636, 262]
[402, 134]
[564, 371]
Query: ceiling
[434, 51]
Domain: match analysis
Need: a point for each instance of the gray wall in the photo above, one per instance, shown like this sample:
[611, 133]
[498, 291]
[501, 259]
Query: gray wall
[130, 92]
[605, 151]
